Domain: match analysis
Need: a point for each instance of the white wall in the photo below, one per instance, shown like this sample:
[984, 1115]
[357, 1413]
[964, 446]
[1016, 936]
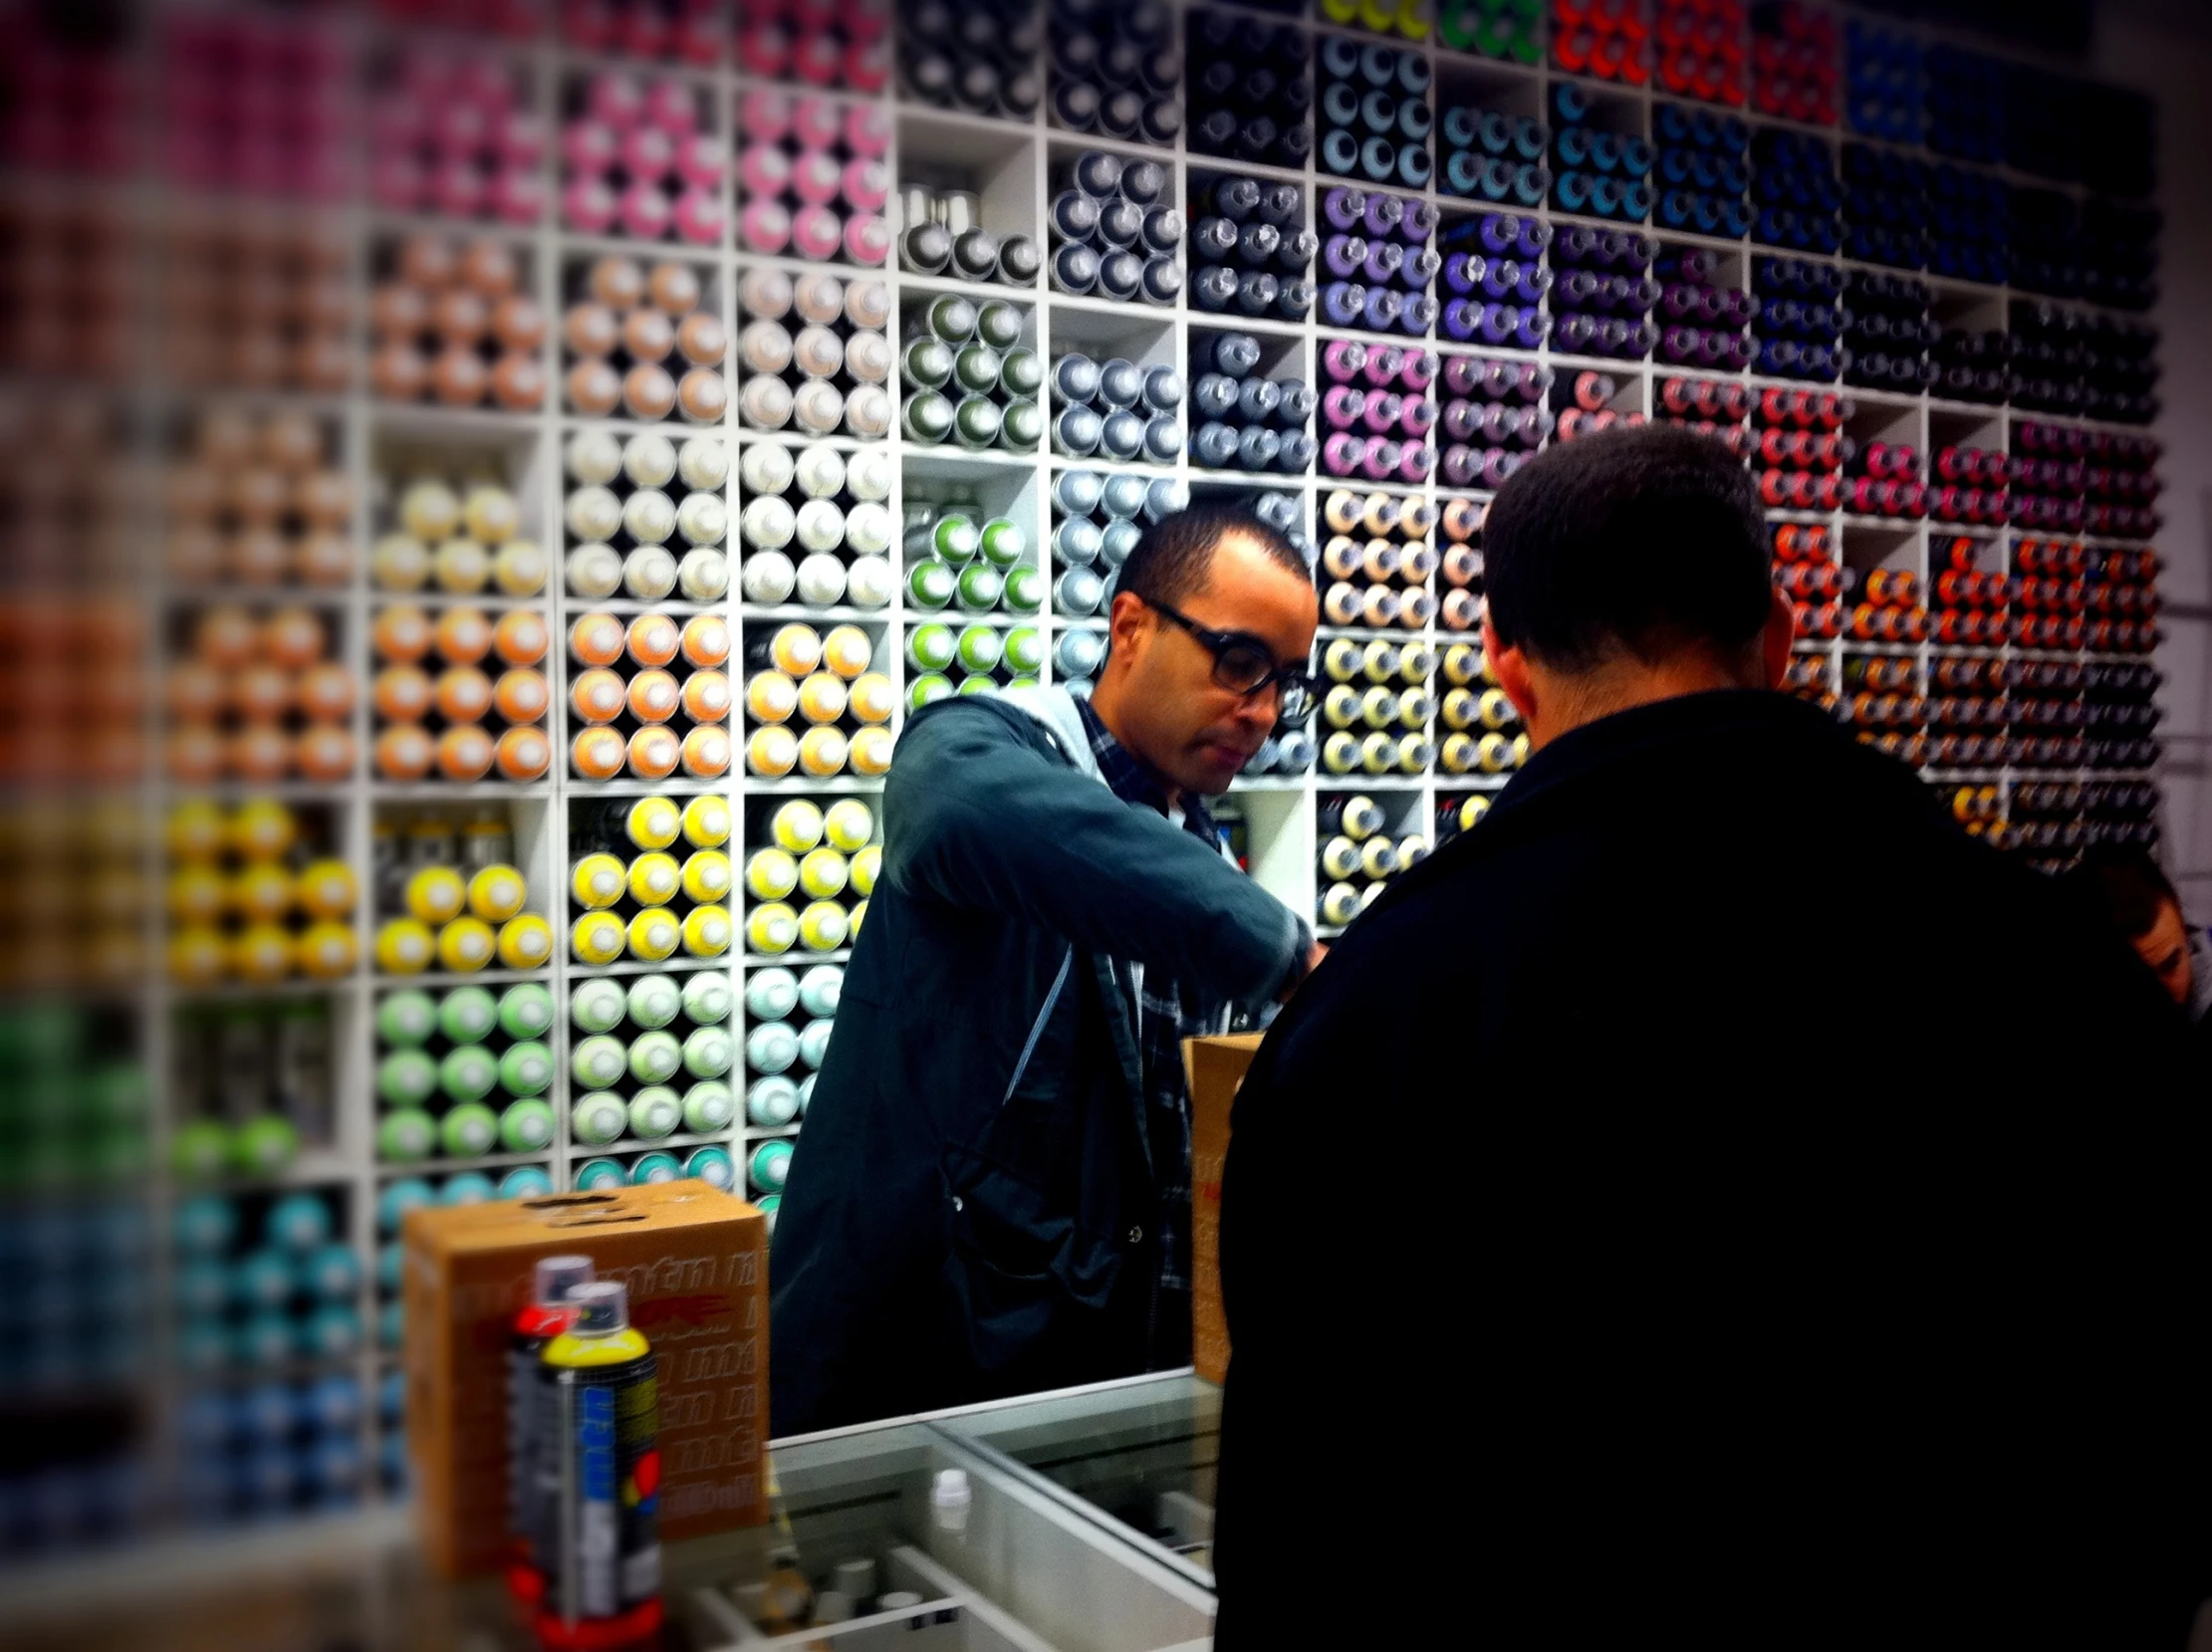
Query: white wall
[2164, 48]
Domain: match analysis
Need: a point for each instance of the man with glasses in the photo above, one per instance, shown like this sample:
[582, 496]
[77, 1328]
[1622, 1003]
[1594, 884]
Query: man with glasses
[992, 1192]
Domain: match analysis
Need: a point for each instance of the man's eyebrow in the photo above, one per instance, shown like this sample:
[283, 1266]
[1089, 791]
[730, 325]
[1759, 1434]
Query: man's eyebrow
[1268, 649]
[1234, 633]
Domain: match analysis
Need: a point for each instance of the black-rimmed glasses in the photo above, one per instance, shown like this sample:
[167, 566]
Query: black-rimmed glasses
[1245, 665]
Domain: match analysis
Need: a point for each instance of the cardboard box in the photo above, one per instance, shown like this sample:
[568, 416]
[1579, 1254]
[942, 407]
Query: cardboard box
[1214, 1067]
[695, 1260]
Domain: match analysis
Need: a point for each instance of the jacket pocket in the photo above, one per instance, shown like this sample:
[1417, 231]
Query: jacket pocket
[1030, 1288]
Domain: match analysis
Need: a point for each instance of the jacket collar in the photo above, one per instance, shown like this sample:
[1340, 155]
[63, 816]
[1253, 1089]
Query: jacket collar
[1054, 710]
[1725, 714]
[1675, 732]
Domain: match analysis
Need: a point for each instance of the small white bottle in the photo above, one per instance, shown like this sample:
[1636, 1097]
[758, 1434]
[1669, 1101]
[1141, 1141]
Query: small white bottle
[950, 1499]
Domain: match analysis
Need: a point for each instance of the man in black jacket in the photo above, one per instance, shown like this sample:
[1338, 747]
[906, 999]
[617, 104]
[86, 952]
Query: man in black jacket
[1775, 1229]
[992, 1194]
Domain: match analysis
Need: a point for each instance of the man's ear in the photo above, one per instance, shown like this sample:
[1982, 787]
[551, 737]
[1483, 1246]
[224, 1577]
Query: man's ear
[1511, 667]
[1129, 621]
[1781, 632]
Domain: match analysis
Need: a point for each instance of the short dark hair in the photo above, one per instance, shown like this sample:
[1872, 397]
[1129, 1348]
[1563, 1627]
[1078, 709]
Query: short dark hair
[1172, 557]
[1647, 540]
[2128, 887]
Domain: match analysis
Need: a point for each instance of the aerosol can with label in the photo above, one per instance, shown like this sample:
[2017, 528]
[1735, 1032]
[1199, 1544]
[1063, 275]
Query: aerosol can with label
[603, 1590]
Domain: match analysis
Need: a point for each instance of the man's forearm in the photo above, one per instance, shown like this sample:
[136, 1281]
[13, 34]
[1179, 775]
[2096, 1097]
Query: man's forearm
[979, 820]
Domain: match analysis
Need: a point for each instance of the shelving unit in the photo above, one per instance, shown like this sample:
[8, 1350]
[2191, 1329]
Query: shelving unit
[382, 443]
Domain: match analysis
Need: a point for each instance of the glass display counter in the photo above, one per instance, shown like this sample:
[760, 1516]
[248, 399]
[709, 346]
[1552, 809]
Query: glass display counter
[1137, 1458]
[908, 1529]
[1076, 1521]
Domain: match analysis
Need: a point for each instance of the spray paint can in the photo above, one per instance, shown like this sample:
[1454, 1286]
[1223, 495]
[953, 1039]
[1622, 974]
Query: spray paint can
[603, 1587]
[529, 1509]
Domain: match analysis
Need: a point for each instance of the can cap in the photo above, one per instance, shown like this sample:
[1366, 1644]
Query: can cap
[601, 1309]
[555, 1279]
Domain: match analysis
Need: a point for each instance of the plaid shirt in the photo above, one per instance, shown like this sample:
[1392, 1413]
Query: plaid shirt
[1167, 1014]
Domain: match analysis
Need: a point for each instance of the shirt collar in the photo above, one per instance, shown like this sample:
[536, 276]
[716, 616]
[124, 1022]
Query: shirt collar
[1130, 778]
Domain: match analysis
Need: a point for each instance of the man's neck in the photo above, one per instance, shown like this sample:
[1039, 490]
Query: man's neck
[1108, 702]
[1568, 703]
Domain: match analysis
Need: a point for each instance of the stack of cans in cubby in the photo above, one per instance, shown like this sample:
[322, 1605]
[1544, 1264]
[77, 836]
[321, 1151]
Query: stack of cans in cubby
[1493, 418]
[1493, 272]
[1963, 104]
[1703, 322]
[1117, 409]
[1375, 114]
[1379, 256]
[1602, 293]
[1702, 176]
[1115, 230]
[1493, 156]
[1800, 323]
[1891, 332]
[1097, 517]
[1701, 49]
[1792, 61]
[1115, 69]
[1250, 95]
[2118, 253]
[1247, 422]
[1598, 173]
[1885, 206]
[1252, 250]
[1882, 81]
[1792, 179]
[1378, 411]
[1494, 29]
[1609, 39]
[979, 57]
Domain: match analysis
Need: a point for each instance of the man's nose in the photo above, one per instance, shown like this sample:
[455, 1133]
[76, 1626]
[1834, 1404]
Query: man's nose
[1261, 710]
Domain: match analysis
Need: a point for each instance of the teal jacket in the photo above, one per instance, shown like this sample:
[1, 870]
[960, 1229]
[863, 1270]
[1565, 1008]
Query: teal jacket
[970, 1211]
